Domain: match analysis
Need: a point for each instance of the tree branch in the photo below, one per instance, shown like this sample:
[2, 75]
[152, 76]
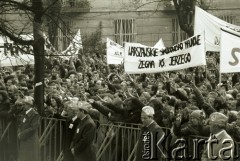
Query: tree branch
[49, 6]
[19, 5]
[15, 38]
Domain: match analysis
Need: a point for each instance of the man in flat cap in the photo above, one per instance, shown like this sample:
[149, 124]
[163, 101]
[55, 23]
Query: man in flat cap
[220, 145]
[28, 131]
[82, 146]
[151, 133]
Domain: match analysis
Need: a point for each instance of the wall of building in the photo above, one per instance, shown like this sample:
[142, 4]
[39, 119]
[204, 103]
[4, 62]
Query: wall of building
[152, 23]
[149, 27]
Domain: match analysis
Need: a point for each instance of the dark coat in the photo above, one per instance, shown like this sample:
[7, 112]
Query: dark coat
[200, 130]
[83, 140]
[157, 133]
[69, 131]
[221, 138]
[28, 137]
[233, 129]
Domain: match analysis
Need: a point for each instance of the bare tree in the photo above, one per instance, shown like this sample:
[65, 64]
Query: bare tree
[184, 9]
[33, 11]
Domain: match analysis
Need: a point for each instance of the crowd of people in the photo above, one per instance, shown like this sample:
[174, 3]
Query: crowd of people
[182, 100]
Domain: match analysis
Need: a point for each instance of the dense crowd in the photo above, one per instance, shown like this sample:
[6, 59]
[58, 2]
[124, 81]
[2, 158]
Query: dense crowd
[182, 100]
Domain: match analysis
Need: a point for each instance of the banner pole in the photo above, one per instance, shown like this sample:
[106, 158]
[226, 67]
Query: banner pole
[220, 78]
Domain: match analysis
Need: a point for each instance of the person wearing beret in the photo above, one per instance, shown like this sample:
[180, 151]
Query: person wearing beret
[220, 145]
[195, 125]
[150, 135]
[28, 131]
[82, 146]
[69, 128]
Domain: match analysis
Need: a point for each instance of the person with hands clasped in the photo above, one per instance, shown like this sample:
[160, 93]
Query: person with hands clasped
[28, 131]
[82, 146]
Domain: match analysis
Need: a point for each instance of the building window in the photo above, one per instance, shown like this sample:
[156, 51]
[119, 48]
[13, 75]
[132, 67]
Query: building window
[178, 35]
[124, 30]
[230, 19]
[64, 37]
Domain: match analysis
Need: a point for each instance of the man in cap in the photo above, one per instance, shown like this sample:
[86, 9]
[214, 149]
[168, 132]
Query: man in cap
[220, 145]
[70, 111]
[150, 136]
[82, 145]
[195, 125]
[28, 130]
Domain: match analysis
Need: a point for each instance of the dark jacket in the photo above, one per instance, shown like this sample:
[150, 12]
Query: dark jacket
[28, 137]
[190, 129]
[68, 133]
[83, 140]
[157, 134]
[224, 142]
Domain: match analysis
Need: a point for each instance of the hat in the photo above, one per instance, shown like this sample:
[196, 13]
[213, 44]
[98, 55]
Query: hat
[148, 110]
[199, 114]
[218, 118]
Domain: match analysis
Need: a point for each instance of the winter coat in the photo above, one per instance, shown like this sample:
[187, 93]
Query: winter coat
[70, 127]
[224, 141]
[157, 133]
[28, 137]
[83, 140]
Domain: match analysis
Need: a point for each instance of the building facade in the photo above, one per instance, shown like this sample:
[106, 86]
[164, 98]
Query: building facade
[123, 21]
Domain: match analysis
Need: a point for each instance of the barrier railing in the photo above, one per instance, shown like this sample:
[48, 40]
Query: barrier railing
[8, 140]
[51, 139]
[116, 141]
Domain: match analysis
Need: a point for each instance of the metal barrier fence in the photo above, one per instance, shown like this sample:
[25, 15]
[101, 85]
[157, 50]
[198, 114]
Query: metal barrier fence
[51, 139]
[113, 141]
[8, 140]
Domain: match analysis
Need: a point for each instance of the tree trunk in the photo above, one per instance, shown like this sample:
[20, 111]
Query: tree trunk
[38, 48]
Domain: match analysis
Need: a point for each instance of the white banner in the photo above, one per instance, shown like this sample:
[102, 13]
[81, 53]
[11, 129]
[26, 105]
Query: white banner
[16, 60]
[212, 27]
[13, 55]
[142, 59]
[230, 51]
[74, 46]
[115, 52]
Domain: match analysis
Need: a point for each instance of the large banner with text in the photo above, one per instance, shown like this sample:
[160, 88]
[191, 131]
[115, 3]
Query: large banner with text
[211, 25]
[230, 51]
[142, 59]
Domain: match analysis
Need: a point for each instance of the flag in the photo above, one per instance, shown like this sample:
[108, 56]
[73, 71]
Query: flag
[74, 46]
[159, 44]
[230, 51]
[212, 27]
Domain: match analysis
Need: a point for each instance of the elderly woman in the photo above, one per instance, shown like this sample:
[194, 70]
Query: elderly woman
[28, 130]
